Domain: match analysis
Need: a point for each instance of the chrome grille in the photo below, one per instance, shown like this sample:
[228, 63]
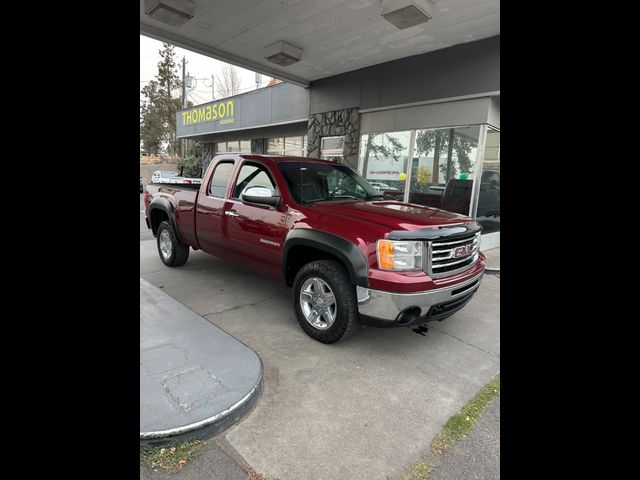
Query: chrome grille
[447, 257]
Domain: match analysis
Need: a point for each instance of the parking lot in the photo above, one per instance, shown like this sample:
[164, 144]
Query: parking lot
[365, 408]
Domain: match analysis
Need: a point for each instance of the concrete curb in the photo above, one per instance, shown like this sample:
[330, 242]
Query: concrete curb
[211, 426]
[187, 361]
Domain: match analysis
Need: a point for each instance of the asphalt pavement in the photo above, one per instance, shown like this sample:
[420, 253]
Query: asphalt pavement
[476, 456]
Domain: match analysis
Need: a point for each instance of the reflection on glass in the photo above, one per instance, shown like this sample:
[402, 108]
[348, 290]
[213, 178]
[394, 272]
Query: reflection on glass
[233, 146]
[275, 146]
[383, 162]
[293, 146]
[333, 143]
[443, 168]
[488, 213]
[245, 146]
[221, 147]
[296, 146]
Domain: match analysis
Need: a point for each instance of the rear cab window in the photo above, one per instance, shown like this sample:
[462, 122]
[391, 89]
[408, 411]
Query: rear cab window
[220, 179]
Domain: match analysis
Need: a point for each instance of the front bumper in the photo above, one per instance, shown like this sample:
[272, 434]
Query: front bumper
[386, 309]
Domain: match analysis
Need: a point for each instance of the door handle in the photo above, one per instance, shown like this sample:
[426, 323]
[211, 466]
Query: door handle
[232, 213]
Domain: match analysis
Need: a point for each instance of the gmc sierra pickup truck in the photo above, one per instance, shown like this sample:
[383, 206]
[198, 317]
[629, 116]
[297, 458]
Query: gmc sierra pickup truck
[351, 257]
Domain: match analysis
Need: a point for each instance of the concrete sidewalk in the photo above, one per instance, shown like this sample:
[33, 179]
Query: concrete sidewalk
[365, 408]
[195, 379]
[493, 259]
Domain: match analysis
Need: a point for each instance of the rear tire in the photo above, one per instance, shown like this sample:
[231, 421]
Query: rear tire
[172, 253]
[325, 301]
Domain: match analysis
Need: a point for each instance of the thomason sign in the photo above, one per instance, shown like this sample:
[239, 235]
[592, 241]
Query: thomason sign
[222, 111]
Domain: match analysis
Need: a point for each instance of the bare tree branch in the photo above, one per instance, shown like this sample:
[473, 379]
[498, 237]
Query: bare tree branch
[228, 83]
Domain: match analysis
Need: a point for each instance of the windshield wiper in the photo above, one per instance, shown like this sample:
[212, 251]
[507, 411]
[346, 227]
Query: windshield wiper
[331, 197]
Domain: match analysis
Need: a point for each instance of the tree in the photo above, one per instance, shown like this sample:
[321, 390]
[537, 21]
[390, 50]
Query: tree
[228, 84]
[441, 140]
[158, 113]
[381, 149]
[423, 176]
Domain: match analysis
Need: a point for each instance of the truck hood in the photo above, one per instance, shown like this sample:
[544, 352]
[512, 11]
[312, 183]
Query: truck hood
[391, 215]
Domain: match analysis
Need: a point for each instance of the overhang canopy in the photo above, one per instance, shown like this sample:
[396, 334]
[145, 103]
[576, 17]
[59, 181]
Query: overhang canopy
[335, 36]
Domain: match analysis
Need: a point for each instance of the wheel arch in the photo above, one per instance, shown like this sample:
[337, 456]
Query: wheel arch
[303, 245]
[160, 209]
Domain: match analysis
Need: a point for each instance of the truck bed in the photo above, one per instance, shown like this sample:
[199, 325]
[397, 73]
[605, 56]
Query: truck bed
[184, 197]
[177, 186]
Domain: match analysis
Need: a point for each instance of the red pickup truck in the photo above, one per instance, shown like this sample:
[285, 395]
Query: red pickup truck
[351, 256]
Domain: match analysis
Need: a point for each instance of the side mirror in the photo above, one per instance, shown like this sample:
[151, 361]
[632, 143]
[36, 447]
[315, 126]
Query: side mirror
[261, 195]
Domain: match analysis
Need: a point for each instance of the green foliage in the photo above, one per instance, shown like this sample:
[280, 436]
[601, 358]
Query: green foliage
[438, 142]
[192, 166]
[170, 458]
[158, 112]
[461, 424]
[381, 149]
[193, 160]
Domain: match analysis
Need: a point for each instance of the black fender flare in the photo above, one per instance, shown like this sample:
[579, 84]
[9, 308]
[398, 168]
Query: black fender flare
[346, 251]
[161, 203]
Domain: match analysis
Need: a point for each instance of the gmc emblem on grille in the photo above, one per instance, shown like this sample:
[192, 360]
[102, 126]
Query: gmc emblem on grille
[462, 251]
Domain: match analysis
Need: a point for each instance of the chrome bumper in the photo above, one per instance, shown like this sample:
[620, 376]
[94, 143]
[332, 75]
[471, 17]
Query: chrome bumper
[388, 306]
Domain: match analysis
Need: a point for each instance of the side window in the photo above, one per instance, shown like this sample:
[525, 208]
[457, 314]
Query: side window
[252, 175]
[220, 179]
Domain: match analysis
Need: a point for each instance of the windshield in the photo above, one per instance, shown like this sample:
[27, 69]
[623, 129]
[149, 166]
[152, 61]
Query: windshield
[168, 174]
[316, 182]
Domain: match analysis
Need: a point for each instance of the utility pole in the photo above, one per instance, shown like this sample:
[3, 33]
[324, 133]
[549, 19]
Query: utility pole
[183, 146]
[213, 90]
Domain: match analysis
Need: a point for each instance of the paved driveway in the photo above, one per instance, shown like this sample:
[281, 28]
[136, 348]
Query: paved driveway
[365, 408]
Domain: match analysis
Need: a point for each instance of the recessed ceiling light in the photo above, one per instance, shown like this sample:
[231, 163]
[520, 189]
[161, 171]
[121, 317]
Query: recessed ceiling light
[282, 53]
[171, 12]
[405, 13]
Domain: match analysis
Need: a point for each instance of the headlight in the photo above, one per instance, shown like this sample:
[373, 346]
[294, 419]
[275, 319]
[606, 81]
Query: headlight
[399, 255]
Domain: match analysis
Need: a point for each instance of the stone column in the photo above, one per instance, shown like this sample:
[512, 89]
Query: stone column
[332, 124]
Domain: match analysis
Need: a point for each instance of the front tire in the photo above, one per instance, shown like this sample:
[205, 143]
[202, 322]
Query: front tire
[325, 301]
[172, 253]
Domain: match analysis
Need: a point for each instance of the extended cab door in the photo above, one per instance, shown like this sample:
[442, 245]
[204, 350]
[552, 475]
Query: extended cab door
[210, 207]
[256, 232]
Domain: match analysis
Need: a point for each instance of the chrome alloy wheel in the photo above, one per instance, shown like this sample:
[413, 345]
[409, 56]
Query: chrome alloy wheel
[318, 303]
[165, 244]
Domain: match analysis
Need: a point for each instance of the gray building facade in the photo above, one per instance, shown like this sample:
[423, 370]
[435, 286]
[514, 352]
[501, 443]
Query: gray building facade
[422, 129]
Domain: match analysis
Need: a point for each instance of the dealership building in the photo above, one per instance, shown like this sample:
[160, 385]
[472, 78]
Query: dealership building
[439, 109]
[415, 109]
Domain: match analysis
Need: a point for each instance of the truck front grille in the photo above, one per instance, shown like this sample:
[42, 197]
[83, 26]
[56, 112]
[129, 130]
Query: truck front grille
[447, 257]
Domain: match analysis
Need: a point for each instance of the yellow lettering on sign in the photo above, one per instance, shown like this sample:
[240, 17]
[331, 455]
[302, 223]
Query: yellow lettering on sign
[208, 113]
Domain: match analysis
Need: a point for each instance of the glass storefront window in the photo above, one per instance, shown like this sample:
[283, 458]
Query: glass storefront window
[332, 148]
[383, 162]
[275, 146]
[443, 168]
[293, 146]
[488, 213]
[235, 146]
[296, 146]
[245, 146]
